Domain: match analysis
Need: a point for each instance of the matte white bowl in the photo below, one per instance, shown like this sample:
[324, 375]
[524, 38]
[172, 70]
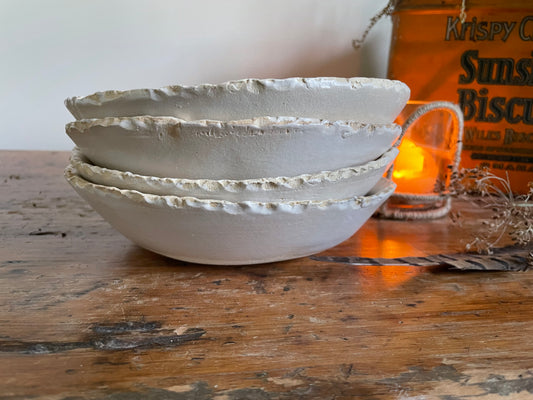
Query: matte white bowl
[370, 100]
[246, 149]
[229, 233]
[338, 184]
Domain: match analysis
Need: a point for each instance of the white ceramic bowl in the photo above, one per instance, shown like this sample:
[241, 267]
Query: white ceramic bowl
[247, 149]
[223, 232]
[370, 100]
[338, 184]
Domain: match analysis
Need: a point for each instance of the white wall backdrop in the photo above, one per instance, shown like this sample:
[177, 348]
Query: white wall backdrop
[53, 49]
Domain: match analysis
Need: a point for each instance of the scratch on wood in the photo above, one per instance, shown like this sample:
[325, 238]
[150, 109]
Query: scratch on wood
[63, 297]
[286, 382]
[505, 387]
[146, 343]
[121, 336]
[128, 326]
[418, 374]
[196, 390]
[346, 370]
[46, 233]
[258, 286]
[10, 262]
[457, 385]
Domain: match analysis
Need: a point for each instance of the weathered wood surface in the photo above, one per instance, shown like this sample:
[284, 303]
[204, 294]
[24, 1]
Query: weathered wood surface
[85, 314]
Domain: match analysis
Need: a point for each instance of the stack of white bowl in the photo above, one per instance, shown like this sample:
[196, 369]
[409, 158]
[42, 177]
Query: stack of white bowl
[242, 172]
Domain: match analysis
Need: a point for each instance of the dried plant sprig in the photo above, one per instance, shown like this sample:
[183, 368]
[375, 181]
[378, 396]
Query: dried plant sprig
[512, 215]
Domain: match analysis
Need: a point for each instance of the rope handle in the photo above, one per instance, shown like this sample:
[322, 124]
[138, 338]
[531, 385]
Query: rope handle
[438, 205]
[454, 110]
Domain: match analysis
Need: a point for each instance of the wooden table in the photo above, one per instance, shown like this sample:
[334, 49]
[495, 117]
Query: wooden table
[85, 314]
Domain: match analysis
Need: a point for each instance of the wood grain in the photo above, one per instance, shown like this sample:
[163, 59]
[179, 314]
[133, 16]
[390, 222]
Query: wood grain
[85, 314]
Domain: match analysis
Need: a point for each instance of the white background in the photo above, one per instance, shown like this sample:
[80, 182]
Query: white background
[53, 49]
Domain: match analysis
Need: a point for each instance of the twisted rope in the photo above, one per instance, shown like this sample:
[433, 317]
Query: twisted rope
[388, 10]
[431, 206]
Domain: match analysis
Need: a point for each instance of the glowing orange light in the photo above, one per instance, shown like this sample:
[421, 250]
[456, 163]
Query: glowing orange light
[410, 162]
[415, 169]
[374, 280]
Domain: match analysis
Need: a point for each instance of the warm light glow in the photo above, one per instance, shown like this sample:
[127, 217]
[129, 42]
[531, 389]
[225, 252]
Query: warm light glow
[410, 161]
[375, 280]
[415, 169]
